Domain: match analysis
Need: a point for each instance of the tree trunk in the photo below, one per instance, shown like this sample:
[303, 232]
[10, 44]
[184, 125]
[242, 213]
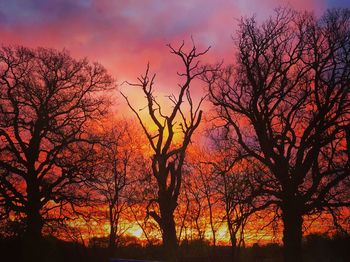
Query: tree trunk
[34, 225]
[112, 231]
[170, 240]
[170, 245]
[292, 233]
[112, 238]
[32, 238]
[212, 227]
[233, 240]
[234, 249]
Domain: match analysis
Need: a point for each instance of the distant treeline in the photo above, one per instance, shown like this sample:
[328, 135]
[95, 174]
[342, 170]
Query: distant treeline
[315, 248]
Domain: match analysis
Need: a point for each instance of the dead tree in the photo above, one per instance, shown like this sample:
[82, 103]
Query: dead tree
[168, 154]
[48, 101]
[285, 102]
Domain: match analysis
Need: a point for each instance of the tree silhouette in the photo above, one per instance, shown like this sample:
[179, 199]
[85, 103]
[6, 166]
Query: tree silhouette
[48, 102]
[285, 102]
[234, 187]
[119, 161]
[168, 154]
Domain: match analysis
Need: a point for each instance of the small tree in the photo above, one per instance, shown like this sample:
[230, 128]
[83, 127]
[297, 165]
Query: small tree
[240, 196]
[168, 154]
[194, 196]
[207, 187]
[118, 166]
[286, 104]
[111, 179]
[48, 102]
[228, 181]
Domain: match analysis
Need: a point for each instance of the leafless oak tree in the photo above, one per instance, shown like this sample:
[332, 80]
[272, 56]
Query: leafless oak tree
[285, 102]
[48, 101]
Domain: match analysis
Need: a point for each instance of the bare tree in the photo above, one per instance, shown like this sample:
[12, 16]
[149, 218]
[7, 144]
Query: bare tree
[168, 154]
[229, 185]
[286, 104]
[183, 213]
[48, 102]
[208, 190]
[241, 198]
[238, 208]
[194, 196]
[143, 191]
[117, 158]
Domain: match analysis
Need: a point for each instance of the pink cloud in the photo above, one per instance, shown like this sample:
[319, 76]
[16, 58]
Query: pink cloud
[125, 35]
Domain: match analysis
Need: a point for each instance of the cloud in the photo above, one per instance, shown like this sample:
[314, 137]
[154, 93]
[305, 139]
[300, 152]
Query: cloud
[126, 34]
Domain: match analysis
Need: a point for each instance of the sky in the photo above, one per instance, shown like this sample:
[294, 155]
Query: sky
[124, 35]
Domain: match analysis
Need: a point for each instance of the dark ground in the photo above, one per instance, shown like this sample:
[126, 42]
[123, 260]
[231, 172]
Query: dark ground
[316, 248]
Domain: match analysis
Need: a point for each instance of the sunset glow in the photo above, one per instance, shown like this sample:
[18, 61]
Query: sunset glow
[192, 130]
